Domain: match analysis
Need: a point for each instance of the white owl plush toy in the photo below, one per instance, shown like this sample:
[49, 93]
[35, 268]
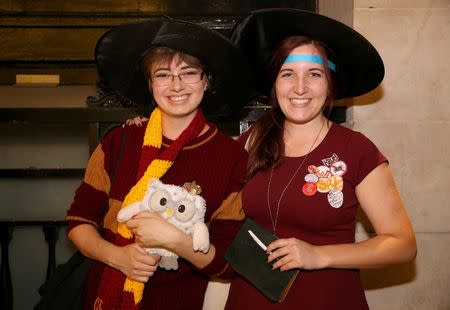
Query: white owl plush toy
[181, 206]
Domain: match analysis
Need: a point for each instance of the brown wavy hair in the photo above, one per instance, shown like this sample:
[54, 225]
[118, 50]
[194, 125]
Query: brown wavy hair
[266, 144]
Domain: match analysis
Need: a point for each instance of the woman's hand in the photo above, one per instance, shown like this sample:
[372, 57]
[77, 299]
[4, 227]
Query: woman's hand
[150, 230]
[133, 261]
[137, 121]
[294, 253]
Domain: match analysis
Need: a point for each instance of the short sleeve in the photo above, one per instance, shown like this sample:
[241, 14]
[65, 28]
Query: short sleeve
[369, 156]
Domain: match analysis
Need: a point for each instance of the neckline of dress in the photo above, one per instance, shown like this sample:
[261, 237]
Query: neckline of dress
[319, 146]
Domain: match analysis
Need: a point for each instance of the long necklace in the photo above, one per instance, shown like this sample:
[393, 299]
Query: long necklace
[275, 220]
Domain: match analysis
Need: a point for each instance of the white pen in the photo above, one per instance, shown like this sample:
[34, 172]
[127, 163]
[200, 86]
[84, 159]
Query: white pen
[259, 242]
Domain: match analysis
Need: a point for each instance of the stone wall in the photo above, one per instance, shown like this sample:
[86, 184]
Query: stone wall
[410, 122]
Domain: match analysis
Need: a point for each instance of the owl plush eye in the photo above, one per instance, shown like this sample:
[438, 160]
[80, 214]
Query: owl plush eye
[184, 210]
[158, 201]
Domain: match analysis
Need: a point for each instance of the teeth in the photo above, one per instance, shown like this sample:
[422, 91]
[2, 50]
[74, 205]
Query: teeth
[299, 101]
[178, 98]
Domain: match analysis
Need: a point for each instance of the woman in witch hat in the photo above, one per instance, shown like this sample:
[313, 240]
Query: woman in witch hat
[185, 71]
[306, 175]
[315, 173]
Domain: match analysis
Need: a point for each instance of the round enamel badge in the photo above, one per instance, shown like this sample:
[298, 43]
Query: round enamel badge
[338, 168]
[336, 182]
[323, 172]
[309, 189]
[311, 178]
[335, 198]
[312, 169]
[323, 185]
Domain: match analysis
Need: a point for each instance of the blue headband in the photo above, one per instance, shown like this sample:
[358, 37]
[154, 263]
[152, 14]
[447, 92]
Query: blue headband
[309, 58]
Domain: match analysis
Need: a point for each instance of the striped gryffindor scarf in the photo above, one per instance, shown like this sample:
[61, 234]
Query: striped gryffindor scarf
[115, 290]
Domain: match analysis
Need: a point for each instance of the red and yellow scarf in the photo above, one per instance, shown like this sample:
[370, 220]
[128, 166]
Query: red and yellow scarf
[115, 290]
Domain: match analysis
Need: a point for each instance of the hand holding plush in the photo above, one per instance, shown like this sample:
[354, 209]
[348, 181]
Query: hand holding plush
[182, 207]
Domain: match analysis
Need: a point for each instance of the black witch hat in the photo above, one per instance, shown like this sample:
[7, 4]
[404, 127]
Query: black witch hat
[119, 51]
[359, 67]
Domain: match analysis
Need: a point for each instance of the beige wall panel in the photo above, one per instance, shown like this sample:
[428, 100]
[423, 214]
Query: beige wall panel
[418, 154]
[425, 191]
[408, 116]
[408, 140]
[422, 285]
[398, 110]
[379, 4]
[341, 10]
[414, 45]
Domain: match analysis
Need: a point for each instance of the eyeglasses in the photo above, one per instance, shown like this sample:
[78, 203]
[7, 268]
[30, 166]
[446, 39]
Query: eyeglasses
[187, 77]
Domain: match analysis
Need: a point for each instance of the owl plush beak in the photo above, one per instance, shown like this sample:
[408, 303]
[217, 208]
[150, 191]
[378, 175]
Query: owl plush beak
[169, 212]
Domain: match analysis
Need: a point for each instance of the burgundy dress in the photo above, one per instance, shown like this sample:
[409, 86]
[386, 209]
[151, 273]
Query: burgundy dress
[319, 207]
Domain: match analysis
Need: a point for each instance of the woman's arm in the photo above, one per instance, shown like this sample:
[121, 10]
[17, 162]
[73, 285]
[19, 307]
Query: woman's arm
[394, 241]
[132, 259]
[151, 230]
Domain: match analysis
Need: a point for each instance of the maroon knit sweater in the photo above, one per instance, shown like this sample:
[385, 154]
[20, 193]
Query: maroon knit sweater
[216, 162]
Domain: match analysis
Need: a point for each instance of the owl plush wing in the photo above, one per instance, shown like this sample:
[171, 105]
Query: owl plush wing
[200, 237]
[129, 211]
[143, 205]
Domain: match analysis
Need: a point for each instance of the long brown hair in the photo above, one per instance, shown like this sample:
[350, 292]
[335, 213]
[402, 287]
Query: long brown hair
[266, 144]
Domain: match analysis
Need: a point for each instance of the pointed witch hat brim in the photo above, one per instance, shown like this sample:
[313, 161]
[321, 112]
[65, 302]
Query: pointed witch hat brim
[359, 67]
[119, 51]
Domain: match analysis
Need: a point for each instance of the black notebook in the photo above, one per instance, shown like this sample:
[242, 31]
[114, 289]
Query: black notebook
[250, 261]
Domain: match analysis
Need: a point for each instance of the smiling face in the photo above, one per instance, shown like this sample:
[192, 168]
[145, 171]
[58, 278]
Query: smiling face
[302, 88]
[177, 99]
